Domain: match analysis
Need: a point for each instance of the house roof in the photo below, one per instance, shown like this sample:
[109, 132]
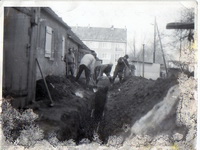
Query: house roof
[55, 16]
[101, 34]
[71, 35]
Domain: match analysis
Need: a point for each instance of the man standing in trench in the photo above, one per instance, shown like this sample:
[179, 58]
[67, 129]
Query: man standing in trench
[122, 63]
[87, 64]
[70, 62]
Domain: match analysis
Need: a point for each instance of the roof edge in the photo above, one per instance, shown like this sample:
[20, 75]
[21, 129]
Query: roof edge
[55, 16]
[112, 41]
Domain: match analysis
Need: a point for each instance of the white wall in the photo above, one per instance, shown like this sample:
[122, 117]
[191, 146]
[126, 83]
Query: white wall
[151, 70]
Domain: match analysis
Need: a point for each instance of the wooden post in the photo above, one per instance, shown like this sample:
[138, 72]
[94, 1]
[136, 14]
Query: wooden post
[143, 63]
[180, 40]
[154, 51]
[34, 33]
[162, 50]
[134, 47]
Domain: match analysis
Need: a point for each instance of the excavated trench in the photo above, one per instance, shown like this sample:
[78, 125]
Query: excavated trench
[73, 116]
[131, 100]
[79, 112]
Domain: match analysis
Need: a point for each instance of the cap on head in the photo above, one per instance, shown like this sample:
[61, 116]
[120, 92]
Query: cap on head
[126, 56]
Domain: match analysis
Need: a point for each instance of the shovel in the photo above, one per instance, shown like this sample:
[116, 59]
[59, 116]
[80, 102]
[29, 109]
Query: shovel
[49, 94]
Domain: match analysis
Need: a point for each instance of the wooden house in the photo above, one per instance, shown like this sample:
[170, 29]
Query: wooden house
[30, 34]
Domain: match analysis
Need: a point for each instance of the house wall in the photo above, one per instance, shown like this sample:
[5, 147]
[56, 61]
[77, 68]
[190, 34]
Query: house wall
[55, 65]
[24, 41]
[151, 70]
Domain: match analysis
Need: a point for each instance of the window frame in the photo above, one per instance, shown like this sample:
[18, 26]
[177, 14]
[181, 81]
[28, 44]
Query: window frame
[49, 43]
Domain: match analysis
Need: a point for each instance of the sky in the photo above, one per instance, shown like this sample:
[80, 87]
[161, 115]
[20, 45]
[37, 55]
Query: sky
[137, 16]
[134, 15]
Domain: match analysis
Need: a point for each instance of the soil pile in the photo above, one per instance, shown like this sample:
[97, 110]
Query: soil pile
[69, 118]
[59, 87]
[129, 101]
[126, 103]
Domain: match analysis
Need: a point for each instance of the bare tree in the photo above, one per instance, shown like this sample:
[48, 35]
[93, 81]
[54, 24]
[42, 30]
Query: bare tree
[183, 37]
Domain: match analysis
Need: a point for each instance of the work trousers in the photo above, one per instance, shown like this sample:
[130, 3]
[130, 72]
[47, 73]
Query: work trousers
[87, 73]
[70, 69]
[119, 70]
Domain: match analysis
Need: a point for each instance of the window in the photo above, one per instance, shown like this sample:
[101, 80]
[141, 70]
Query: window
[49, 50]
[63, 48]
[119, 47]
[105, 56]
[105, 45]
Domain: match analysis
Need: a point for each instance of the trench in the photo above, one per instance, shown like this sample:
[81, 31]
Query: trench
[123, 106]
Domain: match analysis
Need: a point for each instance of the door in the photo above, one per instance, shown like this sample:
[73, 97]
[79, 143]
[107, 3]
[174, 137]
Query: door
[17, 26]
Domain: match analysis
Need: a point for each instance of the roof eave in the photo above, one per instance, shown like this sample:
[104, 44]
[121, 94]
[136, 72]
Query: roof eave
[55, 16]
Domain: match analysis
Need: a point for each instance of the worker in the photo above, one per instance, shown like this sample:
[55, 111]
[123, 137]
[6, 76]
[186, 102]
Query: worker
[87, 64]
[122, 63]
[100, 69]
[70, 62]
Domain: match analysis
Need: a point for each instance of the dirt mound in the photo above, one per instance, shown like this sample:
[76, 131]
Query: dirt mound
[129, 101]
[69, 118]
[59, 87]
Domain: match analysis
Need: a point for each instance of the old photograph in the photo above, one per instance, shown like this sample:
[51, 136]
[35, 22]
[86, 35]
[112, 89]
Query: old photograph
[99, 75]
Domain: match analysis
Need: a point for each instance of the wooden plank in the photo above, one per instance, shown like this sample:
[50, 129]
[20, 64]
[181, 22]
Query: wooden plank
[177, 25]
[32, 64]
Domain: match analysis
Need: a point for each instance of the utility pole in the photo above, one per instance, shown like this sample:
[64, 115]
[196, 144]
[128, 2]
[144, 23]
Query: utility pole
[143, 63]
[162, 50]
[134, 46]
[180, 40]
[154, 51]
